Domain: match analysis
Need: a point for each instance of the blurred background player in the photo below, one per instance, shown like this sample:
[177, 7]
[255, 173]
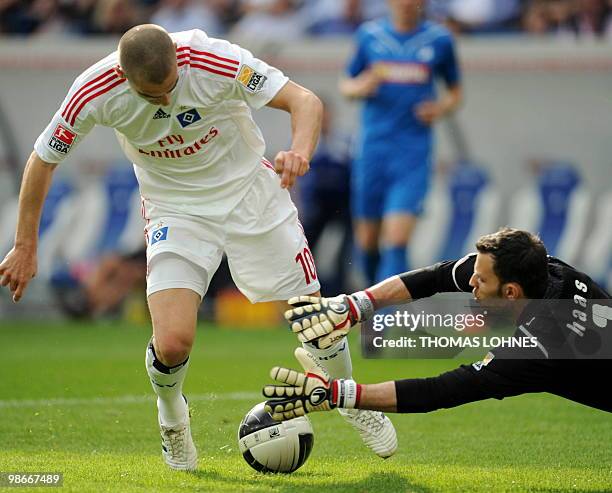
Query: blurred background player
[394, 70]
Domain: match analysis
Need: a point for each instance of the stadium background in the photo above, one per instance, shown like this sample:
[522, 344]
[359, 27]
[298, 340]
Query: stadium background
[534, 101]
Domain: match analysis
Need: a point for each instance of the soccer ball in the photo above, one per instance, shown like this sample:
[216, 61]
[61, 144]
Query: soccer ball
[272, 446]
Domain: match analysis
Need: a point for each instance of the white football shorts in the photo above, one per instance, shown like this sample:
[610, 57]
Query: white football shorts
[267, 251]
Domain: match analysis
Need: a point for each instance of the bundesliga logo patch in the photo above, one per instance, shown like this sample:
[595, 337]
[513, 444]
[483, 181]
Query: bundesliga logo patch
[62, 139]
[250, 79]
[188, 117]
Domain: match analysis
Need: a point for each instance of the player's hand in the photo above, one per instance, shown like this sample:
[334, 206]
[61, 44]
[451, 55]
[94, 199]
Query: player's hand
[289, 165]
[300, 393]
[364, 85]
[369, 81]
[428, 112]
[327, 320]
[17, 270]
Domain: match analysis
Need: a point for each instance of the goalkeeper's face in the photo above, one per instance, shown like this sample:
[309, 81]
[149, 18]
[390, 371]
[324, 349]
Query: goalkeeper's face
[487, 287]
[485, 283]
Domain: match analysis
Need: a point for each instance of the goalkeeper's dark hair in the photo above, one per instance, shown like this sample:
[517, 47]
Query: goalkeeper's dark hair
[147, 53]
[518, 256]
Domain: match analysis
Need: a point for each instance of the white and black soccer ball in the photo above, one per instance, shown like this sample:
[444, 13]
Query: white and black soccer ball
[272, 446]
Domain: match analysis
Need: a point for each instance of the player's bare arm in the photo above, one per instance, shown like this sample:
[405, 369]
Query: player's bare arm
[19, 266]
[379, 396]
[362, 86]
[306, 112]
[391, 291]
[431, 111]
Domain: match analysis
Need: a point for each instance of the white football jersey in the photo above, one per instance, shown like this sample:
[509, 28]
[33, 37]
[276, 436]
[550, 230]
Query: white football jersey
[199, 154]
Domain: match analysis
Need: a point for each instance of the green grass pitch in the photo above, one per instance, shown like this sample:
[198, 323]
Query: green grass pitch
[76, 399]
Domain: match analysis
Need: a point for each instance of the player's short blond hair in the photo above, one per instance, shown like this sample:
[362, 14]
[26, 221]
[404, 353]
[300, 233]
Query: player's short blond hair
[147, 53]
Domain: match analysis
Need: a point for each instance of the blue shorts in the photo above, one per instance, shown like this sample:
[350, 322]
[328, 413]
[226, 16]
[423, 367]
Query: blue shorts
[384, 183]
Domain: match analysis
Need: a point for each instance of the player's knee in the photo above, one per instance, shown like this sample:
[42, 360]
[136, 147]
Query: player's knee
[395, 241]
[367, 239]
[396, 237]
[172, 350]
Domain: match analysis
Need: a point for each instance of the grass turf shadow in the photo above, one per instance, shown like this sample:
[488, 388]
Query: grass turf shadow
[280, 483]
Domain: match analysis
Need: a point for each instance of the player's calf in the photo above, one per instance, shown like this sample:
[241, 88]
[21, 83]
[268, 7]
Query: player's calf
[178, 449]
[167, 383]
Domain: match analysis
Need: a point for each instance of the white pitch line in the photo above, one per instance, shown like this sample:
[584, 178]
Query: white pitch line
[122, 399]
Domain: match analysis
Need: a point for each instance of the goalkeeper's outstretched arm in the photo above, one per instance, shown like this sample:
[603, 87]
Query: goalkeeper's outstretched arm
[421, 395]
[443, 277]
[450, 389]
[313, 390]
[327, 320]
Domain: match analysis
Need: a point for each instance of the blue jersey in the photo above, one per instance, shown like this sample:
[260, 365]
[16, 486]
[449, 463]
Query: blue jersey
[408, 64]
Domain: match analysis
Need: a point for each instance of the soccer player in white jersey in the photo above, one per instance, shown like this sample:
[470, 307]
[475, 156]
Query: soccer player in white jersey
[180, 106]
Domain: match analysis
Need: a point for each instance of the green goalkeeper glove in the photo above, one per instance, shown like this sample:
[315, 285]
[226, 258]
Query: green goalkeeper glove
[324, 321]
[306, 392]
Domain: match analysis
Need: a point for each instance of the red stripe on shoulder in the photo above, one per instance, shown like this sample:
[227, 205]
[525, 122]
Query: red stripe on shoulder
[67, 114]
[212, 55]
[186, 57]
[93, 96]
[208, 54]
[231, 75]
[82, 89]
[229, 68]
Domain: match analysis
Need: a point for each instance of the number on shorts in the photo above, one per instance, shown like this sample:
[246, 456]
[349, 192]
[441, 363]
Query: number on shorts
[305, 258]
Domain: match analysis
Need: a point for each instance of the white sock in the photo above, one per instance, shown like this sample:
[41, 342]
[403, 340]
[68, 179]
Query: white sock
[335, 359]
[167, 383]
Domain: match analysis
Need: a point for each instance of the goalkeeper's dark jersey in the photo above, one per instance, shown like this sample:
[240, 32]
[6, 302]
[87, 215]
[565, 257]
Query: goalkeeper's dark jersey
[500, 374]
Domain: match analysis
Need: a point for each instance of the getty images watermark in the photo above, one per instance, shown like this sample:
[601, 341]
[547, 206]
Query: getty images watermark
[413, 321]
[449, 327]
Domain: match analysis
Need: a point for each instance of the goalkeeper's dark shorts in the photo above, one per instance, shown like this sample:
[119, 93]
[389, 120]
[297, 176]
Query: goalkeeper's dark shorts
[583, 381]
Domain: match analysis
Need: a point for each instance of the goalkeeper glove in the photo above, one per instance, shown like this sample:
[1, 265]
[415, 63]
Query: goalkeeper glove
[327, 320]
[306, 392]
